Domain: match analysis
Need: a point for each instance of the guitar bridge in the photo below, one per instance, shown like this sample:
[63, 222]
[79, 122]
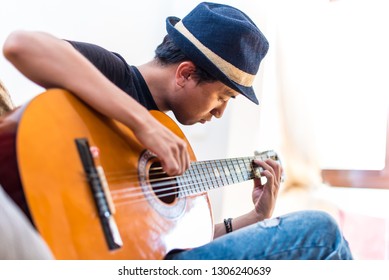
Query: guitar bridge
[108, 223]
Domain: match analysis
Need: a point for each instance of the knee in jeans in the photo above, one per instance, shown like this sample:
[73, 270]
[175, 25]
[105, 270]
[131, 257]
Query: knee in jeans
[322, 221]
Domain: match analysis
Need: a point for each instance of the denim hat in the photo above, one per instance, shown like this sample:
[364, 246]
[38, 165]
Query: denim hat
[223, 41]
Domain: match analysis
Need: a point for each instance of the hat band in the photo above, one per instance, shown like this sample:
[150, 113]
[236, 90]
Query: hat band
[233, 73]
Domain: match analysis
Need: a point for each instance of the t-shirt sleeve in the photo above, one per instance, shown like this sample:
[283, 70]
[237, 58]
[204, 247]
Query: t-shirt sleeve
[111, 64]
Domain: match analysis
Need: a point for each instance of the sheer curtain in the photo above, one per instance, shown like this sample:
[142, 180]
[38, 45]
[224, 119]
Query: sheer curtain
[322, 91]
[284, 85]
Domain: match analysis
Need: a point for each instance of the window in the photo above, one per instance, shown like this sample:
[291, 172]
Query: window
[359, 74]
[362, 178]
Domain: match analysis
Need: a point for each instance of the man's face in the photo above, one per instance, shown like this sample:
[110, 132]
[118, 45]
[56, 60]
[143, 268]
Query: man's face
[200, 102]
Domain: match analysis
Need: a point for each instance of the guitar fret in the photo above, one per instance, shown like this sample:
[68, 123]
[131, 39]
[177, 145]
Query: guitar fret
[222, 171]
[233, 174]
[249, 168]
[198, 177]
[193, 183]
[238, 170]
[216, 175]
[203, 177]
[218, 180]
[204, 174]
[242, 168]
[180, 181]
[189, 183]
[227, 172]
[183, 186]
[212, 176]
[228, 169]
[222, 174]
[230, 175]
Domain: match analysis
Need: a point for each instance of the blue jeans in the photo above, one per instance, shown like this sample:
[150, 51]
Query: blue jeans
[304, 235]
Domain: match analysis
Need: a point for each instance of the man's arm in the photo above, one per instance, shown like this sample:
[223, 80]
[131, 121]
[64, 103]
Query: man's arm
[52, 62]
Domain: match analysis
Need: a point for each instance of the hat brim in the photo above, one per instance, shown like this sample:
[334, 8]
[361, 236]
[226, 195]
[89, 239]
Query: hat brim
[199, 58]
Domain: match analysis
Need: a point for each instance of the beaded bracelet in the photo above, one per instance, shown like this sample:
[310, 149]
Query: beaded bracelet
[228, 225]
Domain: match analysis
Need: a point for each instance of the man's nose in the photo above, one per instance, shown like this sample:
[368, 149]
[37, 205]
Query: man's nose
[218, 111]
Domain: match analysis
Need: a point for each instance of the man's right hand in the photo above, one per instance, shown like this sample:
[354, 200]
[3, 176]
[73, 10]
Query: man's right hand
[169, 148]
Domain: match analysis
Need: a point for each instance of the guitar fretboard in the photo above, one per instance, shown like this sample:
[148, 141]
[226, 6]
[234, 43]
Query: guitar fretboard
[203, 176]
[206, 175]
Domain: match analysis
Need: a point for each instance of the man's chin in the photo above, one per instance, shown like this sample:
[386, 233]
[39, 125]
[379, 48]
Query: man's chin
[186, 122]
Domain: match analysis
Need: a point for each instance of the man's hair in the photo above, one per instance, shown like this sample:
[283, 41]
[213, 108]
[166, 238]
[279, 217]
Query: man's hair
[168, 53]
[6, 104]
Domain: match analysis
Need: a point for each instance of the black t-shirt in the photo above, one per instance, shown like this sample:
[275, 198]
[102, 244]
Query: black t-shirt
[116, 69]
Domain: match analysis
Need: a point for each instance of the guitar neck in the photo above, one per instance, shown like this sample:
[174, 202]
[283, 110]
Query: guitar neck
[203, 176]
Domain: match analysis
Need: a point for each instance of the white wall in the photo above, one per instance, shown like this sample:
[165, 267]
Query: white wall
[132, 31]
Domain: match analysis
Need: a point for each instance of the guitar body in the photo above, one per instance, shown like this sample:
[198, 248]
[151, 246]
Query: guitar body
[42, 171]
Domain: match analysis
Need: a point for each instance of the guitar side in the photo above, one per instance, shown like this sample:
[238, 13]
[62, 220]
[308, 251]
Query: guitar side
[59, 197]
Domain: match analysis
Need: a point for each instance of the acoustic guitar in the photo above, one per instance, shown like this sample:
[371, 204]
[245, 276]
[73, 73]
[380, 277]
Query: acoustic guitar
[93, 192]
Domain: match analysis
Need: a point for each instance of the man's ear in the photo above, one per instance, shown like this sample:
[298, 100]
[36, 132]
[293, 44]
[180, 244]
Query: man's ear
[184, 72]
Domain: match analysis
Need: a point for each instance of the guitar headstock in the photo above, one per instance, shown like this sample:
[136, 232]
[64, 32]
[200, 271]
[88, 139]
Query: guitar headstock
[270, 154]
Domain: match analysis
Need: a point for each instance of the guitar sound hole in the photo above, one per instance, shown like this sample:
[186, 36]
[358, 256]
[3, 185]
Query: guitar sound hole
[164, 187]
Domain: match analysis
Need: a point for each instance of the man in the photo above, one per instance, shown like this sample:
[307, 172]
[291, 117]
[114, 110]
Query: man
[208, 58]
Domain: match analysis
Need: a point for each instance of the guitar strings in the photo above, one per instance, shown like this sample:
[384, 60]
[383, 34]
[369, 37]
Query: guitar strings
[118, 175]
[168, 181]
[174, 189]
[172, 184]
[161, 193]
[168, 186]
